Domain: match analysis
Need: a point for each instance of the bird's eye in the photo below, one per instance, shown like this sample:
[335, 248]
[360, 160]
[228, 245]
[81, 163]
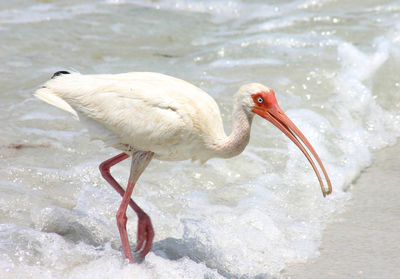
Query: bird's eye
[260, 100]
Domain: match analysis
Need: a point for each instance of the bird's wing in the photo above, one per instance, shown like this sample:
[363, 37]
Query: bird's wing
[144, 109]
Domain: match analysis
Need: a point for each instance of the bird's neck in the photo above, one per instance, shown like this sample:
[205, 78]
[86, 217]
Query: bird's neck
[235, 143]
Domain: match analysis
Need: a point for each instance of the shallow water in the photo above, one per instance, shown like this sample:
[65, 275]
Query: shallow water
[333, 64]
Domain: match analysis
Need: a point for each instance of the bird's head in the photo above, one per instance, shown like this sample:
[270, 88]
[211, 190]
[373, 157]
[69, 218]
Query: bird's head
[258, 99]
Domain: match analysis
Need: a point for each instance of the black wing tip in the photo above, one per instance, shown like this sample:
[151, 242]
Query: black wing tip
[59, 73]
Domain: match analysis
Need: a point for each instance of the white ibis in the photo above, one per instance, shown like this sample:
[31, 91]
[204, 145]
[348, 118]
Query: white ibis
[151, 115]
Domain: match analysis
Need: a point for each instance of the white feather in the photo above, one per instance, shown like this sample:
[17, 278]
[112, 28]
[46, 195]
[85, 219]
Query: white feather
[48, 96]
[140, 111]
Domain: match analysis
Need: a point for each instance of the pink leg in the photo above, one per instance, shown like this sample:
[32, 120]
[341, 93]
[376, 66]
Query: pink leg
[145, 228]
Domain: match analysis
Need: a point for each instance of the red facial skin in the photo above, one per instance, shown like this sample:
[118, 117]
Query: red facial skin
[266, 106]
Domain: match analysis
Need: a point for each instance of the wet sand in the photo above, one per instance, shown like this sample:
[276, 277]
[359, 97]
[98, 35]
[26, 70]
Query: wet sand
[365, 242]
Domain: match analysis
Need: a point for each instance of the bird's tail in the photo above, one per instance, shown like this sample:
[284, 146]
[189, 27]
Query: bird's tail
[49, 96]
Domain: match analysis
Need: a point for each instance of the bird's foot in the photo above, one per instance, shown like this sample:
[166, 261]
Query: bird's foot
[145, 235]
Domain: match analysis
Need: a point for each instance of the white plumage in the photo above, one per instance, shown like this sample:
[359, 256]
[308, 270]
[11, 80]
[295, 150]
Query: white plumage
[140, 111]
[150, 115]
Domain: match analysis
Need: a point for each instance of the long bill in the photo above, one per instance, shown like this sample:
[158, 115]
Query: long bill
[277, 117]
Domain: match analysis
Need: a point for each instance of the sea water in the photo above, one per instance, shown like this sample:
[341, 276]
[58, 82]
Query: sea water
[334, 66]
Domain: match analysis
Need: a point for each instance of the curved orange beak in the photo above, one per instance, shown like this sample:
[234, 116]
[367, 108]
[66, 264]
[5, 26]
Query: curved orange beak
[273, 113]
